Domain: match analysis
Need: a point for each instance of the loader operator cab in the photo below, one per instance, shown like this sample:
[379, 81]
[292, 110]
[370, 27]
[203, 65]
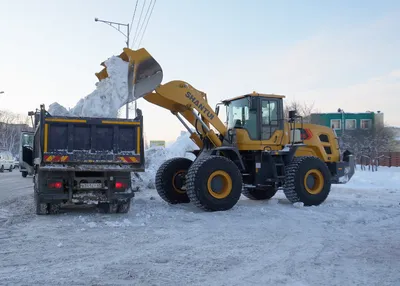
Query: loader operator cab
[259, 114]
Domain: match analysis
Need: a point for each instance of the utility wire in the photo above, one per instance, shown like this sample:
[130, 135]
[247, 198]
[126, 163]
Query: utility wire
[137, 27]
[133, 17]
[148, 19]
[147, 12]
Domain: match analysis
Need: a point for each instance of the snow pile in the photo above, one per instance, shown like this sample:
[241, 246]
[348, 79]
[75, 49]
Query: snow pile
[157, 155]
[109, 96]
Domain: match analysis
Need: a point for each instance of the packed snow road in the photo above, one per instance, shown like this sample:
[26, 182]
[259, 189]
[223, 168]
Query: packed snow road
[352, 239]
[13, 185]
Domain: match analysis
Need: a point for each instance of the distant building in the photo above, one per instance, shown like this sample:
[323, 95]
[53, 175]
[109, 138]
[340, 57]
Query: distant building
[342, 121]
[154, 143]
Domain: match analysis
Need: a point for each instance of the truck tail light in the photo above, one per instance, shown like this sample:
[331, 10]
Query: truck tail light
[55, 185]
[121, 185]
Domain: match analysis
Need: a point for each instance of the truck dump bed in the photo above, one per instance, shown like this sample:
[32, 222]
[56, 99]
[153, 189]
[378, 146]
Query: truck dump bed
[89, 143]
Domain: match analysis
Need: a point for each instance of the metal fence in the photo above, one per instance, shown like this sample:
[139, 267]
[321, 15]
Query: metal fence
[371, 163]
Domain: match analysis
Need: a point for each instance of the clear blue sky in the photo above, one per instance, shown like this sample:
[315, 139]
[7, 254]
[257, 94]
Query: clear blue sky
[333, 53]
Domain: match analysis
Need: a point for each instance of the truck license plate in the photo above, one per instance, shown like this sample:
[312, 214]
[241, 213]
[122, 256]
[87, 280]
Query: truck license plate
[90, 185]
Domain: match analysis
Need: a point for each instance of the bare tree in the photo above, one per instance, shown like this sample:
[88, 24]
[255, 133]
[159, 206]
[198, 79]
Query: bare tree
[303, 109]
[11, 125]
[368, 144]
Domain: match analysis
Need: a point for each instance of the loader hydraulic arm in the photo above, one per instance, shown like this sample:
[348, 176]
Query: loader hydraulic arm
[184, 100]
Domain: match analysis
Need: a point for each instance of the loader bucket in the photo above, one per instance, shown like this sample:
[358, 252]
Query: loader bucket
[144, 73]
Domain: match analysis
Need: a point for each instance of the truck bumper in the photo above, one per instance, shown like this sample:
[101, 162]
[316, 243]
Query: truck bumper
[344, 170]
[86, 197]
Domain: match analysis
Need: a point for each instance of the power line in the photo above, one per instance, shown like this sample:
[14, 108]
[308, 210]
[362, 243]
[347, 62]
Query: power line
[148, 19]
[137, 27]
[147, 12]
[133, 17]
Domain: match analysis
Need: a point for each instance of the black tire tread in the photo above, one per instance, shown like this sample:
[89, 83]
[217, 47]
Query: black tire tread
[159, 181]
[191, 177]
[289, 188]
[124, 207]
[250, 194]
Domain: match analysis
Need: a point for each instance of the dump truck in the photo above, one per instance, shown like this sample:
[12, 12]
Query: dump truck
[84, 160]
[256, 153]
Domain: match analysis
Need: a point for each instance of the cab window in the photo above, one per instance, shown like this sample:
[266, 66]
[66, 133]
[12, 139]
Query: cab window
[240, 116]
[269, 118]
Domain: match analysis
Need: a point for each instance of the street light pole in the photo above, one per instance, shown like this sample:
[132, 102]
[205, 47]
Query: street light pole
[343, 122]
[116, 26]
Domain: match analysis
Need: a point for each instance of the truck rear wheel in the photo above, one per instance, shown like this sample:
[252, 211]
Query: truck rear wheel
[108, 208]
[54, 208]
[265, 193]
[124, 207]
[171, 180]
[214, 183]
[308, 180]
[24, 174]
[41, 208]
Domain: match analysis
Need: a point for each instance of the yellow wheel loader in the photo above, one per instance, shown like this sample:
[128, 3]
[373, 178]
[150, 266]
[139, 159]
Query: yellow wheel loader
[255, 153]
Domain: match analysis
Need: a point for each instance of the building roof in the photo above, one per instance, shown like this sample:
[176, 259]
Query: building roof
[326, 113]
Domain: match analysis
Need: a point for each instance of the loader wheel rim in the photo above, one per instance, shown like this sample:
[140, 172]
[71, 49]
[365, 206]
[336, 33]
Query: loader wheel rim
[314, 181]
[219, 184]
[178, 181]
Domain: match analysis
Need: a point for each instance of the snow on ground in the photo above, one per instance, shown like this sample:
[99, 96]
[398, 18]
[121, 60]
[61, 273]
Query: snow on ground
[351, 239]
[109, 96]
[155, 156]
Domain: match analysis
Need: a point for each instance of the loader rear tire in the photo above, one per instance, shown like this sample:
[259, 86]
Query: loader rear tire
[308, 180]
[171, 180]
[259, 193]
[214, 183]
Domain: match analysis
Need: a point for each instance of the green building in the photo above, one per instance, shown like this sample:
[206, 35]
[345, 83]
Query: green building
[349, 122]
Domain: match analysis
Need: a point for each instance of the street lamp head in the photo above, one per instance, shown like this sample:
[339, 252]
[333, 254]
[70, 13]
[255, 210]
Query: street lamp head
[340, 110]
[1, 92]
[96, 19]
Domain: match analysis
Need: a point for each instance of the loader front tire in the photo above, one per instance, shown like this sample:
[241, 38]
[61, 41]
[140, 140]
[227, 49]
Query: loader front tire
[214, 183]
[308, 180]
[170, 180]
[265, 193]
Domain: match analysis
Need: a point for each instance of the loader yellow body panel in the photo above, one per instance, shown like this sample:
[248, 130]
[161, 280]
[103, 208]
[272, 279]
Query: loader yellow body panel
[318, 148]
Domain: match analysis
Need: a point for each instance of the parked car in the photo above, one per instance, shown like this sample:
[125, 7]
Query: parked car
[6, 161]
